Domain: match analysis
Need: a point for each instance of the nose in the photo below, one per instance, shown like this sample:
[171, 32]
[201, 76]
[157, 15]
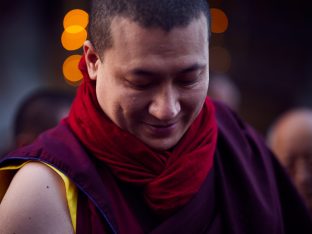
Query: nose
[165, 105]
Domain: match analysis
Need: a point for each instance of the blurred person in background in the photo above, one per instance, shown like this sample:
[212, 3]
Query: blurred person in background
[290, 138]
[41, 110]
[222, 88]
[144, 150]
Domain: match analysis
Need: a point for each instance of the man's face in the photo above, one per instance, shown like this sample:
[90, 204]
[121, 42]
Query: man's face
[302, 174]
[292, 146]
[152, 83]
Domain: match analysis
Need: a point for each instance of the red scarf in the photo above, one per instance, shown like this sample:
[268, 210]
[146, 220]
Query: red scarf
[170, 179]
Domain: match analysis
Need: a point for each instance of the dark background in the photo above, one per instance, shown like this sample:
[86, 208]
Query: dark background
[269, 43]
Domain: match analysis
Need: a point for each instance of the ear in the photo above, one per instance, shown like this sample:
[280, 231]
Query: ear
[92, 59]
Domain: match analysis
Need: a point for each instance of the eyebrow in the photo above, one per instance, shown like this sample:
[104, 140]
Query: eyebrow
[192, 68]
[145, 72]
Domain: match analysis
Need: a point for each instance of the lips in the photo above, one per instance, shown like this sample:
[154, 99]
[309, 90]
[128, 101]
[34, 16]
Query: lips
[161, 130]
[161, 125]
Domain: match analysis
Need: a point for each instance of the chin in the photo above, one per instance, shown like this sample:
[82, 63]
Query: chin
[161, 144]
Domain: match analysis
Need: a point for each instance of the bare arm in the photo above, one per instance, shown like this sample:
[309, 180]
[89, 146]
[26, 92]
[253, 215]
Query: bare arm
[35, 203]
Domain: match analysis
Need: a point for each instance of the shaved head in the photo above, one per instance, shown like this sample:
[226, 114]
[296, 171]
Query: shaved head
[291, 140]
[164, 14]
[292, 134]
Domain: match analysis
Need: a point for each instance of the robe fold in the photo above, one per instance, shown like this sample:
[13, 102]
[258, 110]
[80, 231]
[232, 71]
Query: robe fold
[247, 191]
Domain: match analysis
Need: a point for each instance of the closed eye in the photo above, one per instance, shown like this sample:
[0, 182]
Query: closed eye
[188, 82]
[138, 84]
[190, 78]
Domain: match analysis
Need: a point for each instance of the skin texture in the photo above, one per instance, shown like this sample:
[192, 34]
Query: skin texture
[291, 141]
[35, 203]
[152, 83]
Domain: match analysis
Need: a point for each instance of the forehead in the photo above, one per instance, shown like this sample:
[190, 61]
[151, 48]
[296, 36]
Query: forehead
[132, 40]
[294, 135]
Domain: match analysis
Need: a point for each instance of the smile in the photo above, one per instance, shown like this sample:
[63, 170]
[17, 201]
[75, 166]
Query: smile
[161, 130]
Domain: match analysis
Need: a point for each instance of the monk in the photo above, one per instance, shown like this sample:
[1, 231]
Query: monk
[42, 109]
[290, 138]
[143, 150]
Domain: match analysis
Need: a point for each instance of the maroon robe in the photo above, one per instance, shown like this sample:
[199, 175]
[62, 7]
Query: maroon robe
[247, 191]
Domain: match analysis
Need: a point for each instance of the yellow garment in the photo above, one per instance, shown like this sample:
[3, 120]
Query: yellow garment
[7, 174]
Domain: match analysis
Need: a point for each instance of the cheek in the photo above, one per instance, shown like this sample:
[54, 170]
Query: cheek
[194, 99]
[101, 95]
[109, 99]
[132, 106]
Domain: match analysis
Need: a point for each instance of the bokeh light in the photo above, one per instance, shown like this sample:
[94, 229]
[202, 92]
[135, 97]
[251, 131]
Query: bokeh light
[220, 59]
[76, 17]
[73, 37]
[71, 71]
[219, 21]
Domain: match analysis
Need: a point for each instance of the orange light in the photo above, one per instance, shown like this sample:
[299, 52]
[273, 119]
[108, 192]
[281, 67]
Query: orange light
[220, 59]
[219, 21]
[73, 37]
[76, 17]
[71, 71]
[75, 84]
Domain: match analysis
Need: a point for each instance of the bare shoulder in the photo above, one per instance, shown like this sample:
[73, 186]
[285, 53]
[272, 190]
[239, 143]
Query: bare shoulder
[35, 202]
